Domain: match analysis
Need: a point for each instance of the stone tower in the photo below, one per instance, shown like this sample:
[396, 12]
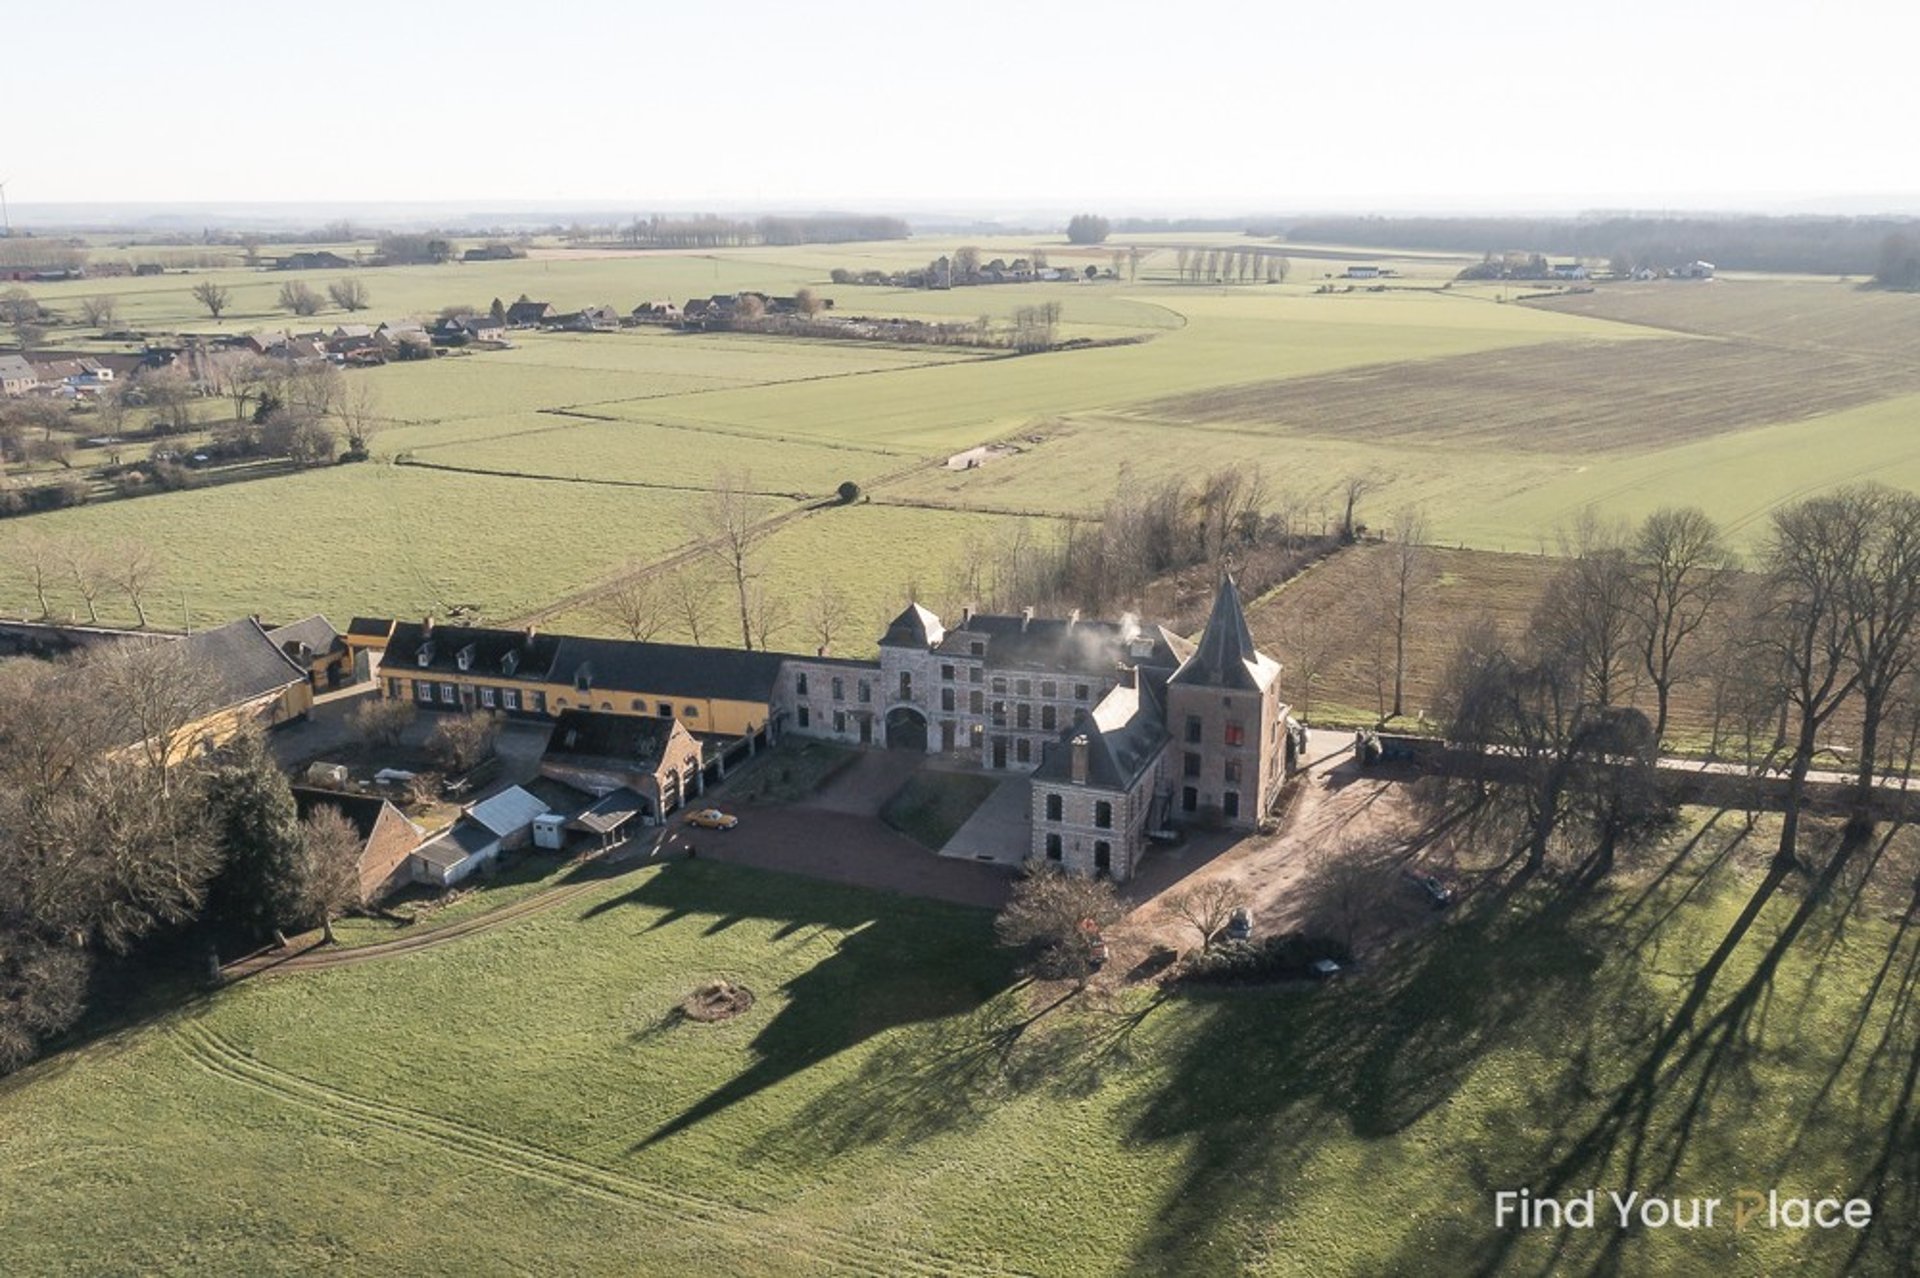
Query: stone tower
[1226, 720]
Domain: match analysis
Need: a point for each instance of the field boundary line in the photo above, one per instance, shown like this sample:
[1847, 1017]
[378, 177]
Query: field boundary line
[598, 483]
[224, 1059]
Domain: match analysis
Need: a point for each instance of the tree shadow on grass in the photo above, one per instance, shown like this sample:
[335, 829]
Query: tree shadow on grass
[1268, 1074]
[894, 963]
[1703, 1051]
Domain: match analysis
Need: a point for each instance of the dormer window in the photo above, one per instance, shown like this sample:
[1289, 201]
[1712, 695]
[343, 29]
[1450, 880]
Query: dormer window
[583, 679]
[464, 658]
[425, 655]
[510, 662]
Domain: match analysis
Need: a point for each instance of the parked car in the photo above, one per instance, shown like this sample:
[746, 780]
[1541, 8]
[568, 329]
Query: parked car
[713, 819]
[1438, 894]
[1240, 924]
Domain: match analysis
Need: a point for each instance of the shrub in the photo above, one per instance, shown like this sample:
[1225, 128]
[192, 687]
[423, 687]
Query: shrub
[1291, 954]
[849, 493]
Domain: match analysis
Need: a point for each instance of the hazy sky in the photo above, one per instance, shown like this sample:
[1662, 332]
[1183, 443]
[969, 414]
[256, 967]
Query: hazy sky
[1203, 104]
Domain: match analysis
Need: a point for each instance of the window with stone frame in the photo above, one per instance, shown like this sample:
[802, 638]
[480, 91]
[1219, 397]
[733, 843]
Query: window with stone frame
[1055, 849]
[1231, 772]
[1054, 807]
[800, 684]
[946, 698]
[1103, 815]
[1190, 765]
[1048, 718]
[1236, 733]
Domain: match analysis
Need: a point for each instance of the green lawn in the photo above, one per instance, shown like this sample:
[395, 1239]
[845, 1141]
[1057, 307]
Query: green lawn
[932, 806]
[895, 1103]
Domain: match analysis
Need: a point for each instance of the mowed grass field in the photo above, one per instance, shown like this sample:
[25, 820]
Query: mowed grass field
[895, 1102]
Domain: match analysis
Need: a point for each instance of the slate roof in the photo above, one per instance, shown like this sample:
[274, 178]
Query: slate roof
[490, 650]
[15, 369]
[370, 627]
[609, 812]
[669, 669]
[528, 312]
[243, 660]
[1226, 656]
[362, 811]
[464, 839]
[630, 739]
[316, 632]
[1053, 643]
[917, 627]
[1124, 733]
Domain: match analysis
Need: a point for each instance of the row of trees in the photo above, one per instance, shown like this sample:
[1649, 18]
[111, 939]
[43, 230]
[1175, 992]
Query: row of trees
[1818, 245]
[1827, 627]
[111, 829]
[710, 231]
[1232, 265]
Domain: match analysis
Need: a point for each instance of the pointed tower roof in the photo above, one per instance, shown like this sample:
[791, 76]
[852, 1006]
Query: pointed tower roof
[1226, 656]
[917, 627]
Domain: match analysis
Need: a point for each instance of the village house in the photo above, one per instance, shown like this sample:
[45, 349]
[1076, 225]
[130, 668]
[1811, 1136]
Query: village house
[528, 314]
[17, 377]
[458, 330]
[312, 260]
[387, 838]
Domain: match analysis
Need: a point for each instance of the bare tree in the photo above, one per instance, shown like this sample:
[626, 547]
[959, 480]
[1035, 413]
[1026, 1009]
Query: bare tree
[295, 296]
[83, 564]
[36, 557]
[1681, 574]
[1205, 907]
[133, 567]
[690, 599]
[826, 612]
[383, 720]
[349, 295]
[637, 605]
[1588, 613]
[807, 302]
[329, 876]
[1884, 604]
[358, 409]
[212, 296]
[99, 310]
[1045, 915]
[727, 522]
[463, 742]
[769, 613]
[1812, 556]
[1352, 489]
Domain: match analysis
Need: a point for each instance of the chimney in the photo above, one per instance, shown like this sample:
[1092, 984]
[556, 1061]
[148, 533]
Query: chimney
[1077, 765]
[821, 651]
[531, 633]
[1073, 618]
[1026, 618]
[426, 625]
[966, 613]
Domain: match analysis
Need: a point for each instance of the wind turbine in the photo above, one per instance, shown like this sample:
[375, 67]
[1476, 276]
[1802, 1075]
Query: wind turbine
[5, 216]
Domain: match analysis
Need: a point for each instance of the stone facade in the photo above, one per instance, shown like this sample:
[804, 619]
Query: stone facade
[1126, 728]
